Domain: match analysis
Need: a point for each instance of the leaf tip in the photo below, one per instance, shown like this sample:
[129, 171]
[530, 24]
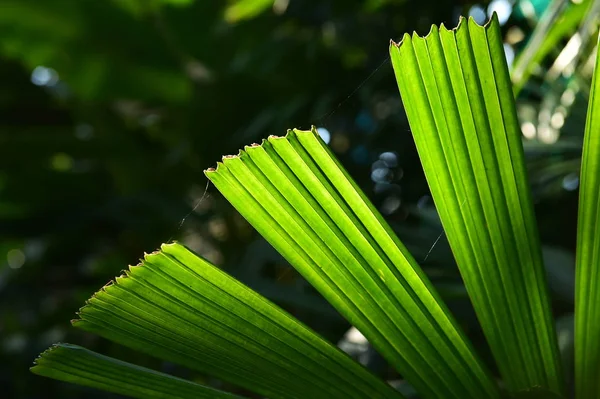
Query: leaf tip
[492, 21]
[435, 29]
[405, 38]
[251, 147]
[225, 158]
[148, 258]
[298, 132]
[41, 356]
[167, 246]
[210, 172]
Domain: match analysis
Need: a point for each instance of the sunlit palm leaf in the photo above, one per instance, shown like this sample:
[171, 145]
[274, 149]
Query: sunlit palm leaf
[178, 307]
[458, 98]
[294, 192]
[78, 365]
[587, 285]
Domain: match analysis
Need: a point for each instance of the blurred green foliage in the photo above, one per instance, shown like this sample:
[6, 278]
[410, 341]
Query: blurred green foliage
[111, 110]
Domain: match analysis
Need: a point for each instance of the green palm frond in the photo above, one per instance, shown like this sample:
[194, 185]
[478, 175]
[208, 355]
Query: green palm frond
[78, 365]
[587, 285]
[294, 192]
[458, 97]
[178, 307]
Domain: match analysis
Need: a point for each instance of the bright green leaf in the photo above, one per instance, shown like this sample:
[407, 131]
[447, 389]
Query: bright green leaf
[587, 272]
[458, 98]
[296, 194]
[178, 307]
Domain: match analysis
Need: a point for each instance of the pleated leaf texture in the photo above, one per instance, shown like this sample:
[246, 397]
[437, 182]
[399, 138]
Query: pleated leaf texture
[458, 98]
[180, 308]
[295, 193]
[78, 365]
[587, 276]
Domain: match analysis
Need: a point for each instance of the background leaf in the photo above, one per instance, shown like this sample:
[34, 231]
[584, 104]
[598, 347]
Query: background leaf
[245, 9]
[78, 365]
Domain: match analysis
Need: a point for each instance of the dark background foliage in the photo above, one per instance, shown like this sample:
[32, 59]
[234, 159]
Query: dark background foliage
[111, 110]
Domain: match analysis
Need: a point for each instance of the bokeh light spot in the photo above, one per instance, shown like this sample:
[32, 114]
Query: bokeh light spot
[381, 175]
[15, 258]
[570, 182]
[568, 98]
[558, 120]
[61, 162]
[325, 135]
[390, 205]
[390, 159]
[547, 135]
[43, 76]
[502, 8]
[478, 14]
[509, 53]
[528, 130]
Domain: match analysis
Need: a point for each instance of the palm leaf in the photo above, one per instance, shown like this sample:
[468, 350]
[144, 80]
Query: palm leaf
[78, 365]
[178, 307]
[295, 193]
[587, 279]
[457, 95]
